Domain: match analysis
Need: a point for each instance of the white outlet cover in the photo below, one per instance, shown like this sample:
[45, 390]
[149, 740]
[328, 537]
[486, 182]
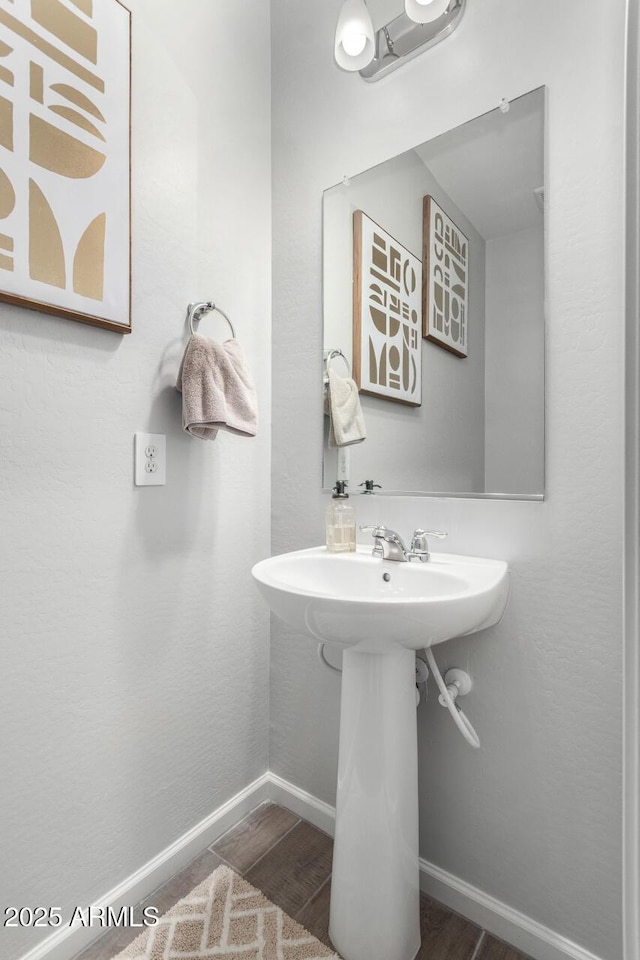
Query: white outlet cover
[150, 459]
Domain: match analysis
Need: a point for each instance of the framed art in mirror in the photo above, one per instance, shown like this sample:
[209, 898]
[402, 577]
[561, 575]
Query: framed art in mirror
[387, 290]
[445, 287]
[65, 160]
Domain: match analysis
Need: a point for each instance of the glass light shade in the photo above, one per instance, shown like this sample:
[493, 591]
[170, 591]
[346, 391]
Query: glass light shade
[354, 44]
[424, 11]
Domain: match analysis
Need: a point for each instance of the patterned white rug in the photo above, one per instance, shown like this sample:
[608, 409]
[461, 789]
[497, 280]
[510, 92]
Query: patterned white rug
[226, 917]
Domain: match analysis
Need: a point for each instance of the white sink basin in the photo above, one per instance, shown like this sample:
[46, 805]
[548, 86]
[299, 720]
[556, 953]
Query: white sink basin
[357, 599]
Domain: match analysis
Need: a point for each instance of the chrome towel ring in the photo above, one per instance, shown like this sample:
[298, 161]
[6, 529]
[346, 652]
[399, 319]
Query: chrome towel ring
[196, 311]
[329, 356]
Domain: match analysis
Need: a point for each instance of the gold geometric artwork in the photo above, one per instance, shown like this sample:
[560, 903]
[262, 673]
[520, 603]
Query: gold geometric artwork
[65, 159]
[61, 152]
[85, 5]
[36, 82]
[74, 96]
[6, 76]
[46, 250]
[88, 276]
[67, 26]
[74, 117]
[6, 123]
[7, 196]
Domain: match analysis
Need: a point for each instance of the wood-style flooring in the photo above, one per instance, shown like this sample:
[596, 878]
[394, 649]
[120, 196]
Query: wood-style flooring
[290, 862]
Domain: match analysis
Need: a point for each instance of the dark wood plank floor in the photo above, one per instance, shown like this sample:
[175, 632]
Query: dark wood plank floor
[290, 862]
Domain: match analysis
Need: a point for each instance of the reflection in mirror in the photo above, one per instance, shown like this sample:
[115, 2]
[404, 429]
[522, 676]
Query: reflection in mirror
[459, 219]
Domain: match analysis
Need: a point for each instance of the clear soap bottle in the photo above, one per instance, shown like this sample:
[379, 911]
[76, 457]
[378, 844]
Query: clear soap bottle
[341, 522]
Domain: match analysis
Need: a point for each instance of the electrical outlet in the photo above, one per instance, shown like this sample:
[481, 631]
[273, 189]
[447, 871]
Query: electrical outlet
[150, 459]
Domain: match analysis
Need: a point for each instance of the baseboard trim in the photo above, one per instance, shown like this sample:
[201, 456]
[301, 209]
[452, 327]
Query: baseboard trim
[486, 911]
[498, 918]
[303, 804]
[67, 942]
[491, 914]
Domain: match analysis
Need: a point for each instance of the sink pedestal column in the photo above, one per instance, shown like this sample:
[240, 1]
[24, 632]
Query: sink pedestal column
[375, 896]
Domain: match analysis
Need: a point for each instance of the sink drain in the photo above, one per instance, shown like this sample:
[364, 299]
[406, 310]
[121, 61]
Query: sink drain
[386, 577]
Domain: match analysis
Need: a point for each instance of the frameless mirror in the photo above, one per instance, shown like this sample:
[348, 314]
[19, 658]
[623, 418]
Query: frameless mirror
[434, 295]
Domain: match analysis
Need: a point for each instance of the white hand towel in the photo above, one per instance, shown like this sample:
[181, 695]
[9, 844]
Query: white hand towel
[346, 420]
[217, 389]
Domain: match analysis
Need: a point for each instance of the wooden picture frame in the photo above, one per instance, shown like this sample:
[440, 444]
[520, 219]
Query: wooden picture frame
[387, 325]
[65, 159]
[445, 290]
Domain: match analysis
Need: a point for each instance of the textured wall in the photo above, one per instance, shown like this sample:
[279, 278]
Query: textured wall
[133, 694]
[534, 817]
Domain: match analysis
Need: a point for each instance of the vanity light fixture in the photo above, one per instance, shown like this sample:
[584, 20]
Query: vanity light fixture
[355, 43]
[376, 51]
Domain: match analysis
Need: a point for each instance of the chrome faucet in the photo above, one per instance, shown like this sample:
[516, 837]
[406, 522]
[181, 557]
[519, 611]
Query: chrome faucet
[389, 545]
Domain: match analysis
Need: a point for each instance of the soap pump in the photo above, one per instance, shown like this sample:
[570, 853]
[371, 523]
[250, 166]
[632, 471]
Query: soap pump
[341, 521]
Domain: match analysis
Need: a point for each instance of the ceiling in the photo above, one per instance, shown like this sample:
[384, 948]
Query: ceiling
[491, 166]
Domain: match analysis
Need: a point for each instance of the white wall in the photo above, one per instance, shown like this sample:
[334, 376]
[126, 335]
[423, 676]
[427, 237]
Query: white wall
[439, 445]
[514, 342]
[134, 648]
[534, 817]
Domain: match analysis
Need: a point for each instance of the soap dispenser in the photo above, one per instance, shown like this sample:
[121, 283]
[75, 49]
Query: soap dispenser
[341, 522]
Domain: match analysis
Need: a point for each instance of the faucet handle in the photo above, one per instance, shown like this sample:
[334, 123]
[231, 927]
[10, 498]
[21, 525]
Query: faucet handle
[419, 548]
[439, 535]
[419, 538]
[370, 487]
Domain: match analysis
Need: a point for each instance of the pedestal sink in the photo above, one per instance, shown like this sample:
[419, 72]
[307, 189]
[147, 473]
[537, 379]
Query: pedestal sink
[380, 611]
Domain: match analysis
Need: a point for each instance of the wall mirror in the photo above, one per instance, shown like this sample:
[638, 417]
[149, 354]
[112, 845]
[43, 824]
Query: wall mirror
[434, 292]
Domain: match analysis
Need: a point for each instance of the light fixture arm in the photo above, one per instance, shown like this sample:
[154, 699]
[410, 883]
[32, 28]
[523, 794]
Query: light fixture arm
[389, 42]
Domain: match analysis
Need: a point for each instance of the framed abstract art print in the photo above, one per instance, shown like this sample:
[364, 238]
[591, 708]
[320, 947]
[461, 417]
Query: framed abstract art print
[446, 280]
[387, 323]
[65, 82]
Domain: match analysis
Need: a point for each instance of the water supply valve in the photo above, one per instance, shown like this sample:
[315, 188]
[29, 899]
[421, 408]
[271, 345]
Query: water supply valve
[422, 675]
[458, 683]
